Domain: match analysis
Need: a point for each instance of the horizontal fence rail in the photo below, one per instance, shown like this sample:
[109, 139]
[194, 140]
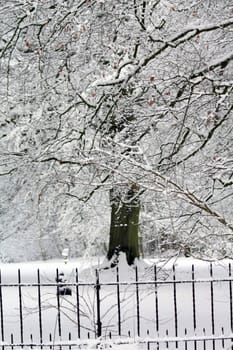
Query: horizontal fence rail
[70, 284]
[109, 343]
[160, 308]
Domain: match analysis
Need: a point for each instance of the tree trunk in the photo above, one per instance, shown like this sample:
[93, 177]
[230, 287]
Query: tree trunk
[124, 225]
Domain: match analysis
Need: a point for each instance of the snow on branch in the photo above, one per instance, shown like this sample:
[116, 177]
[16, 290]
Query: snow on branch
[187, 34]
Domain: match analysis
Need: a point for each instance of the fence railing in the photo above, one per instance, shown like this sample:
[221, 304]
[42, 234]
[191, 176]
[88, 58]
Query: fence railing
[160, 307]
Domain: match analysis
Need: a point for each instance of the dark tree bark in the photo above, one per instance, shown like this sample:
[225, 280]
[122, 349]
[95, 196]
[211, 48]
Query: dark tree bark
[124, 226]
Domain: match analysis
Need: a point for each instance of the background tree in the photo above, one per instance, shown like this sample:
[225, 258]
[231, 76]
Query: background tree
[124, 225]
[97, 96]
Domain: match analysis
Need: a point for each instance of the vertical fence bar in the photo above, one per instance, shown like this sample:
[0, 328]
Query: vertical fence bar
[31, 340]
[185, 342]
[156, 304]
[12, 341]
[118, 301]
[212, 303]
[39, 305]
[175, 303]
[230, 291]
[137, 301]
[156, 301]
[99, 325]
[167, 334]
[70, 337]
[20, 308]
[50, 340]
[58, 305]
[231, 302]
[204, 341]
[223, 342]
[77, 303]
[194, 299]
[1, 306]
[194, 304]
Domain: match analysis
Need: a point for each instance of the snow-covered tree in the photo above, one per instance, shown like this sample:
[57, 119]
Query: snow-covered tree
[131, 98]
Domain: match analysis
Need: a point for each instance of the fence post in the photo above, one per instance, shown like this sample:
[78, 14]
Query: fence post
[97, 286]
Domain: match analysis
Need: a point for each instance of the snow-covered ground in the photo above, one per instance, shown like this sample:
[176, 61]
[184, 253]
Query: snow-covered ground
[138, 307]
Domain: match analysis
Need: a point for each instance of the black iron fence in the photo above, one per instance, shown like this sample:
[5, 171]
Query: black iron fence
[160, 307]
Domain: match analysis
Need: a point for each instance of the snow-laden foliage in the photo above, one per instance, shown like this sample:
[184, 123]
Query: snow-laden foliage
[103, 94]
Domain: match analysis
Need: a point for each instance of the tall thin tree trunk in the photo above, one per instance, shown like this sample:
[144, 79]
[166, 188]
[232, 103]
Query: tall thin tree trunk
[124, 225]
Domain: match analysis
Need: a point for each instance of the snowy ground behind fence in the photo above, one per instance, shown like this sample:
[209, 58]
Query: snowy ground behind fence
[185, 304]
